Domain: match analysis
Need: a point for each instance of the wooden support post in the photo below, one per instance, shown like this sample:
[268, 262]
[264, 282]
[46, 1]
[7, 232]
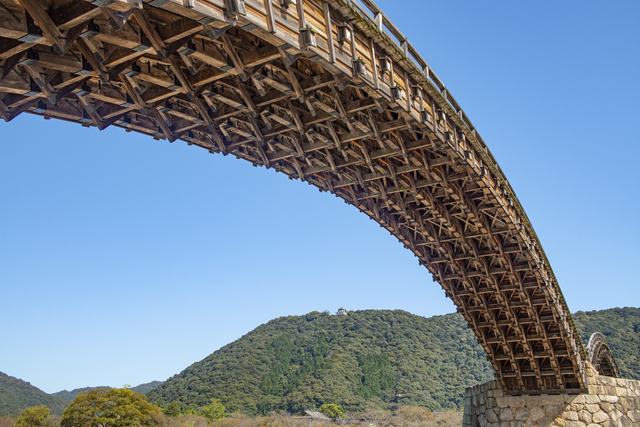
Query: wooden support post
[326, 12]
[271, 21]
[374, 64]
[407, 91]
[302, 22]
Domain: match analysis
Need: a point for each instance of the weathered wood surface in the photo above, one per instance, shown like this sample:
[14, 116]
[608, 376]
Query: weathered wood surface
[327, 92]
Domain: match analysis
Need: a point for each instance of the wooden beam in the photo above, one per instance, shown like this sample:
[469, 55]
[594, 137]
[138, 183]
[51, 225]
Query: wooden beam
[147, 27]
[237, 61]
[293, 79]
[178, 29]
[246, 97]
[156, 115]
[98, 68]
[8, 64]
[12, 22]
[50, 30]
[73, 13]
[186, 85]
[36, 74]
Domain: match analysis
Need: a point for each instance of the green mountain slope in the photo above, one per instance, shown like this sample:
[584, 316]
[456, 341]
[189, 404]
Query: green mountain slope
[16, 395]
[70, 395]
[146, 387]
[360, 360]
[364, 360]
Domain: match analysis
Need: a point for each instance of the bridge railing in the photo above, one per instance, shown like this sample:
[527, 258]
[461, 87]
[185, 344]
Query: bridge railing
[372, 12]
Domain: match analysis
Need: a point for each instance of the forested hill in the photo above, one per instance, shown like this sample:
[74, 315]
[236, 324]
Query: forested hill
[16, 395]
[364, 359]
[70, 395]
[359, 360]
[146, 387]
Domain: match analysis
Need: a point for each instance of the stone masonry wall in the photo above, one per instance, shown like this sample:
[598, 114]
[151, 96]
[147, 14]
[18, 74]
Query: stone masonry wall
[610, 402]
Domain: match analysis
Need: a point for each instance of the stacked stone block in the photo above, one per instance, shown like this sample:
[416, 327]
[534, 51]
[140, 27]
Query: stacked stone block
[610, 402]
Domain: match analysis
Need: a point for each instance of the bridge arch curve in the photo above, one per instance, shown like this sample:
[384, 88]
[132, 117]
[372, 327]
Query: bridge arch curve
[328, 92]
[600, 356]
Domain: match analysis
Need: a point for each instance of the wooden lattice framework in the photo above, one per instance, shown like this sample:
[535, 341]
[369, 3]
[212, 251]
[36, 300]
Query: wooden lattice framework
[329, 92]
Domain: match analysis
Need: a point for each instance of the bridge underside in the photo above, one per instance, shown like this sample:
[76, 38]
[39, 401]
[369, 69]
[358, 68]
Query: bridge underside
[318, 91]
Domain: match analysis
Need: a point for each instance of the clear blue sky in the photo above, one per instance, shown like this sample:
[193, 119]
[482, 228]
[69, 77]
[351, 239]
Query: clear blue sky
[125, 260]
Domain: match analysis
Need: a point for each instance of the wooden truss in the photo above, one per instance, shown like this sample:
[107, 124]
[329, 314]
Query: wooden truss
[321, 92]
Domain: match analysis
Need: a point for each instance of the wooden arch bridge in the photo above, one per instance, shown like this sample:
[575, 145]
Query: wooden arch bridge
[326, 91]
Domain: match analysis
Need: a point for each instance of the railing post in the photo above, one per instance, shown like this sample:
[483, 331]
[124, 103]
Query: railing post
[271, 21]
[374, 67]
[326, 11]
[378, 21]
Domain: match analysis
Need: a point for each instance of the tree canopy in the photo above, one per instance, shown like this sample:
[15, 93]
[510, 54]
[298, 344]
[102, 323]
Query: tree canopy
[110, 408]
[172, 410]
[213, 411]
[36, 416]
[332, 410]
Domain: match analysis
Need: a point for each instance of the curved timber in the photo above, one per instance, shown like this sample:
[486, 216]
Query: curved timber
[329, 92]
[599, 355]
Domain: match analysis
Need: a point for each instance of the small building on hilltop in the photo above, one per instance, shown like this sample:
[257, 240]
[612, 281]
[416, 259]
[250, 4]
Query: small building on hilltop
[341, 312]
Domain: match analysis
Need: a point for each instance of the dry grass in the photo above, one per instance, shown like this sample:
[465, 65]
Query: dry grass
[7, 422]
[405, 416]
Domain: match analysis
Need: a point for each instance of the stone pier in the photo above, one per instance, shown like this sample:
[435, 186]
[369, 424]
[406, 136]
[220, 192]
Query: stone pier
[610, 402]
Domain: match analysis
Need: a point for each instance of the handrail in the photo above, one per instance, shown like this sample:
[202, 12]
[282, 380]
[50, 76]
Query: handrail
[371, 11]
